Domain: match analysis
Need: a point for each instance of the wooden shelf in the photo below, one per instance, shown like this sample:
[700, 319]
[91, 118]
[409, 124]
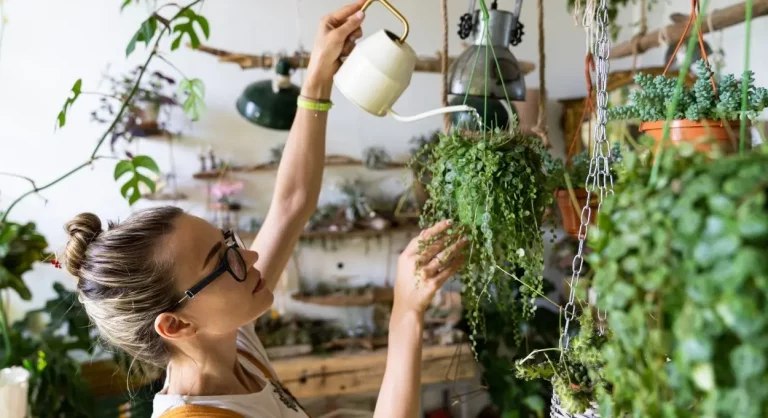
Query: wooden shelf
[375, 295]
[330, 161]
[355, 233]
[344, 374]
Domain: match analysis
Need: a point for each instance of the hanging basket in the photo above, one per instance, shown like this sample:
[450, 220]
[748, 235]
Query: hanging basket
[571, 215]
[556, 411]
[704, 134]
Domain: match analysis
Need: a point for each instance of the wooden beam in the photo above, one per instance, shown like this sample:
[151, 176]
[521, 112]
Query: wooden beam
[721, 18]
[313, 376]
[300, 60]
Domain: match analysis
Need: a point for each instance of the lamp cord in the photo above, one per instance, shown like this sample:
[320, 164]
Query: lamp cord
[444, 65]
[541, 126]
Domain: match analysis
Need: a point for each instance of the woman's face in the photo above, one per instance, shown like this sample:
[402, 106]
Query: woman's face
[198, 248]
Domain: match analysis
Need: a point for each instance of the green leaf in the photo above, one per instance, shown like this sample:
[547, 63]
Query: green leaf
[15, 282]
[188, 28]
[126, 3]
[123, 167]
[746, 362]
[194, 103]
[146, 162]
[62, 117]
[145, 34]
[131, 188]
[704, 376]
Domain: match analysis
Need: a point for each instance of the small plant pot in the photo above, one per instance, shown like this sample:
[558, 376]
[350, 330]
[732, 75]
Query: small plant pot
[696, 133]
[572, 216]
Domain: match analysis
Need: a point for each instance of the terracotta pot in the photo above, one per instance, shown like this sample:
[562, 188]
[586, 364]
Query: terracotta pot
[695, 132]
[572, 216]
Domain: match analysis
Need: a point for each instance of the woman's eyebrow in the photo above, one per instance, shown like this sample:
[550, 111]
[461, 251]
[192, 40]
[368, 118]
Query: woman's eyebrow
[214, 250]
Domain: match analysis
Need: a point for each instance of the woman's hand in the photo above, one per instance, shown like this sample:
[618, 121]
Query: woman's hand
[335, 40]
[421, 273]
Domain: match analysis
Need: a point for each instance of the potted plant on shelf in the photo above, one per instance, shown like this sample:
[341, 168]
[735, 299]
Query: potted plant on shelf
[143, 116]
[569, 180]
[710, 109]
[493, 186]
[682, 269]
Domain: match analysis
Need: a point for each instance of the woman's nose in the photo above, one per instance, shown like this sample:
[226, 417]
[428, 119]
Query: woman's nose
[250, 256]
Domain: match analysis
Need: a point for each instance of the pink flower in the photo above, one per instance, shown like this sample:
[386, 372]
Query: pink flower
[226, 188]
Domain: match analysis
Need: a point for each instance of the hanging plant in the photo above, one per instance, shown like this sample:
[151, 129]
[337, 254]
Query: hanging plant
[576, 374]
[493, 186]
[701, 111]
[682, 269]
[570, 193]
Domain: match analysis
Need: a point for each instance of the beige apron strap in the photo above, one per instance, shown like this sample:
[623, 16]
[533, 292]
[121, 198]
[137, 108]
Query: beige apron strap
[269, 375]
[199, 411]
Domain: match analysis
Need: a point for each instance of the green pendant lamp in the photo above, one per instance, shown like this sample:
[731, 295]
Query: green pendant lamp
[271, 103]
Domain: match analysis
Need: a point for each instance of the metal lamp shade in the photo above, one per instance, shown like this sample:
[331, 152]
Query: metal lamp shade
[497, 115]
[468, 72]
[264, 106]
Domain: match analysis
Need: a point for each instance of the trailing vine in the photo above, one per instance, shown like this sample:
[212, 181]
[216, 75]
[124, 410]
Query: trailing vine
[492, 185]
[651, 101]
[577, 375]
[681, 268]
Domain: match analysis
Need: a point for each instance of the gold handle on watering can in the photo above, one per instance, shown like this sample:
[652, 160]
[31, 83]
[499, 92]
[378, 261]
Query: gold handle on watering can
[394, 12]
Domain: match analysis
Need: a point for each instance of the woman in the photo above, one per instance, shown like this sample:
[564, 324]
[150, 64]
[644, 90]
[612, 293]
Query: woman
[174, 291]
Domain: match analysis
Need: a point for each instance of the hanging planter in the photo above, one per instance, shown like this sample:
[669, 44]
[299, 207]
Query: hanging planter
[495, 188]
[571, 214]
[722, 135]
[707, 115]
[577, 170]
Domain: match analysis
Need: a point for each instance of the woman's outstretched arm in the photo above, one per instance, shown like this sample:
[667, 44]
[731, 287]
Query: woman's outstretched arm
[300, 173]
[419, 276]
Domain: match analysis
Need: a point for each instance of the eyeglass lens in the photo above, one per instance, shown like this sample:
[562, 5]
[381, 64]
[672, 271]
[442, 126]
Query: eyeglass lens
[237, 264]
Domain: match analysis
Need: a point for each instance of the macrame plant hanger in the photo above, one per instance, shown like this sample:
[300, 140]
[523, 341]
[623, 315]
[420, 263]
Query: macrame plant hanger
[599, 181]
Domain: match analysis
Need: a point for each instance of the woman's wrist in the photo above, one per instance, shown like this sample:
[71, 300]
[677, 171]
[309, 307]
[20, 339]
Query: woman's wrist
[315, 88]
[402, 316]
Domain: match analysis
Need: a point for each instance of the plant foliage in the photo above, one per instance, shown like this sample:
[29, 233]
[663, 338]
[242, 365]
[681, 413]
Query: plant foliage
[650, 101]
[577, 374]
[130, 189]
[21, 246]
[491, 186]
[682, 270]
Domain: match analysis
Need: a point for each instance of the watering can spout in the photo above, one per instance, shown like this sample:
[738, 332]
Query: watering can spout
[442, 110]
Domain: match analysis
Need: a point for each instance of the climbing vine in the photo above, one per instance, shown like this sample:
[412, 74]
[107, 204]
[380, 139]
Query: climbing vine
[492, 187]
[184, 23]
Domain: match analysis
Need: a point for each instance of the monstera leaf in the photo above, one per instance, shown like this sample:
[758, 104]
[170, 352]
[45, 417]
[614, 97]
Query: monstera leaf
[188, 28]
[130, 189]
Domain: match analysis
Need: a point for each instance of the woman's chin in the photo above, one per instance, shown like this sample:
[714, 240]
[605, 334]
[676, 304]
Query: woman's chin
[262, 301]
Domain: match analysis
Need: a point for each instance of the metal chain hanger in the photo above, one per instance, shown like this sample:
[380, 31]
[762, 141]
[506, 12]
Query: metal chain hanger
[599, 180]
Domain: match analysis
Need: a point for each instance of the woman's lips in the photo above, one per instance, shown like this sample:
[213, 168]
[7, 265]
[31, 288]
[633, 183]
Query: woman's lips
[259, 285]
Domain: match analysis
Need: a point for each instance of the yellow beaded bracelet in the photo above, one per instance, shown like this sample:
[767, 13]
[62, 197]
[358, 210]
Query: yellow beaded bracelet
[316, 105]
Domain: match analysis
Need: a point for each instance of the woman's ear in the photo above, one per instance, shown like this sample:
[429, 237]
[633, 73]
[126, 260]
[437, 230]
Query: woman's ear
[171, 327]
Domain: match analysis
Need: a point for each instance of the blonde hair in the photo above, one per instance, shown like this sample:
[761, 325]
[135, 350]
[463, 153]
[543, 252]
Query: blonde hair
[123, 281]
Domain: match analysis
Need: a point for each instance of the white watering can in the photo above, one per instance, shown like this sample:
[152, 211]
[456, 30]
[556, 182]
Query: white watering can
[378, 71]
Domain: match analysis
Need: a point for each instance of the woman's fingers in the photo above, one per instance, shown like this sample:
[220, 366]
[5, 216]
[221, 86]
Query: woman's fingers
[449, 270]
[428, 253]
[427, 234]
[444, 257]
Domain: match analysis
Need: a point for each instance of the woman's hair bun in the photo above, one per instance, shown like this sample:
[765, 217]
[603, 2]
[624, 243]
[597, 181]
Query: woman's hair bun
[82, 230]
